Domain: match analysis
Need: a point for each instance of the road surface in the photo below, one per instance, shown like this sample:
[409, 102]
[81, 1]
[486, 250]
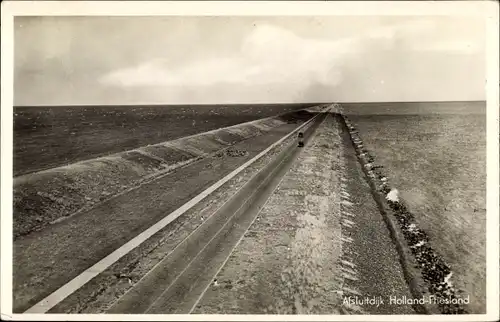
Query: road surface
[295, 231]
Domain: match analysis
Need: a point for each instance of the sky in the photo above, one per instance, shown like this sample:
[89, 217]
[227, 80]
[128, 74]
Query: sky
[220, 60]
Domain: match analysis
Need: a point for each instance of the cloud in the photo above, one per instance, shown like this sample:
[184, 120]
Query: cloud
[160, 73]
[274, 64]
[268, 55]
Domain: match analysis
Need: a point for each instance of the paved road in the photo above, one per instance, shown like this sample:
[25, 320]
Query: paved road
[47, 259]
[176, 283]
[299, 234]
[319, 245]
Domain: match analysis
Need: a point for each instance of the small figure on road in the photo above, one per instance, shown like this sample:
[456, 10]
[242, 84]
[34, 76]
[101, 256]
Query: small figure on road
[301, 139]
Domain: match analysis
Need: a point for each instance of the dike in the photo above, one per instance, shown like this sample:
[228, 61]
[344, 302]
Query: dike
[48, 196]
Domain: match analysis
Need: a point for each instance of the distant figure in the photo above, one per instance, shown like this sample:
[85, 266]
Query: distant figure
[301, 139]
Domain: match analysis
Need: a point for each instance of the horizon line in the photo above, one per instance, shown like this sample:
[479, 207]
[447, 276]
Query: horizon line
[253, 104]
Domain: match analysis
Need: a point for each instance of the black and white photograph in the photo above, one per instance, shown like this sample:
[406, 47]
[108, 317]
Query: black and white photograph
[250, 163]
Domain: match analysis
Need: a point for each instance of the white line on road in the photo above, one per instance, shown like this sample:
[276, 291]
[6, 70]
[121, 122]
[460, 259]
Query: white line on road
[232, 250]
[76, 283]
[241, 239]
[215, 236]
[193, 232]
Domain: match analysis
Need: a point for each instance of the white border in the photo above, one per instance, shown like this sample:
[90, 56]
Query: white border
[248, 8]
[487, 9]
[492, 162]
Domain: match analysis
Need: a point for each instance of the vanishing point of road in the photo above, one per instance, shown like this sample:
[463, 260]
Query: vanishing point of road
[280, 229]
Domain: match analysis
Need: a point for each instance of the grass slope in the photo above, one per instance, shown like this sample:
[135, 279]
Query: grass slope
[50, 136]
